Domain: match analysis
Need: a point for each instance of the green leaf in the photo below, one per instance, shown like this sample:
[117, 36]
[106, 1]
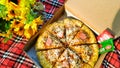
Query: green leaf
[4, 25]
[11, 35]
[7, 26]
[3, 10]
[30, 16]
[5, 40]
[8, 38]
[35, 11]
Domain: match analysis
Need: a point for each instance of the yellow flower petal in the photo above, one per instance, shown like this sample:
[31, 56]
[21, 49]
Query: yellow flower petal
[34, 26]
[27, 34]
[16, 29]
[27, 26]
[38, 20]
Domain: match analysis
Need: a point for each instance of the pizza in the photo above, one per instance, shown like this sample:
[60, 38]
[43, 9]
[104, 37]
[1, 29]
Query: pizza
[67, 43]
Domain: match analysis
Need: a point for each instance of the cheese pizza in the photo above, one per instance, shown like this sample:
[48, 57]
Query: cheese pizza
[67, 43]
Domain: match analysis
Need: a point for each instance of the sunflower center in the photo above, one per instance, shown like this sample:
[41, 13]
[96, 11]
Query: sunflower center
[15, 1]
[12, 12]
[17, 22]
[21, 28]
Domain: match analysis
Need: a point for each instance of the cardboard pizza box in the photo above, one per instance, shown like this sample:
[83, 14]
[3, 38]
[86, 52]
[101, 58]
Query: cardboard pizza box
[30, 46]
[90, 13]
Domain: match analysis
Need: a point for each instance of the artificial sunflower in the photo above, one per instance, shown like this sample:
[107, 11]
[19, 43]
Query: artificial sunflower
[19, 31]
[31, 28]
[17, 27]
[12, 10]
[17, 23]
[21, 17]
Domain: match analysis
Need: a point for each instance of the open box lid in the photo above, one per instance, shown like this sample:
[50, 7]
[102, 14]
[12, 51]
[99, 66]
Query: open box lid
[97, 14]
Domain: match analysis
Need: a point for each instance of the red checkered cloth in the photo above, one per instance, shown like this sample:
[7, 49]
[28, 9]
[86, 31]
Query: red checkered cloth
[51, 6]
[112, 59]
[12, 54]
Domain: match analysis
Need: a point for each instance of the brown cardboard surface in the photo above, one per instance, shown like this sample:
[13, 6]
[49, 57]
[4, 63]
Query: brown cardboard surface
[98, 14]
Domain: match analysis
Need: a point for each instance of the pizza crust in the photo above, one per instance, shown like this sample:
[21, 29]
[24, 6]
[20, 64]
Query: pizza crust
[82, 53]
[92, 38]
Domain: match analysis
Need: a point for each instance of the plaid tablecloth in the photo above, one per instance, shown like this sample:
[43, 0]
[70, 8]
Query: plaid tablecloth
[112, 59]
[12, 54]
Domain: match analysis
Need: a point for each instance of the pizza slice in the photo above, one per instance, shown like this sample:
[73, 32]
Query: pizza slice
[74, 60]
[84, 36]
[48, 58]
[88, 53]
[58, 30]
[63, 62]
[77, 22]
[72, 26]
[47, 41]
